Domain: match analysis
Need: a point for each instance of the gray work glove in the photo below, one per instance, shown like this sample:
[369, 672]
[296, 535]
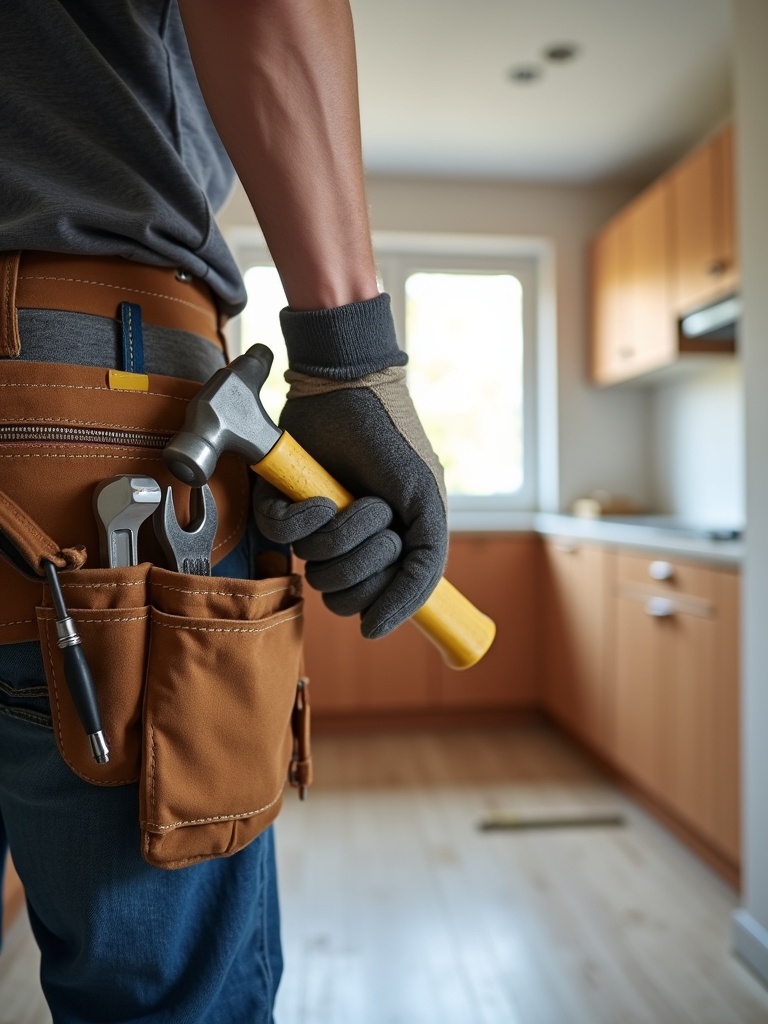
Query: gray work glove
[349, 407]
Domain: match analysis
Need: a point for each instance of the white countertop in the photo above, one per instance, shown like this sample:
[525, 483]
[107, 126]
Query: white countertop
[629, 535]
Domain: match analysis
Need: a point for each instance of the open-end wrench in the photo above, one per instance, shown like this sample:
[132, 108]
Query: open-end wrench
[121, 505]
[188, 550]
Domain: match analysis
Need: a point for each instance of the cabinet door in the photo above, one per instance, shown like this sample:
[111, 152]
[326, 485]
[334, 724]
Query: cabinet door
[653, 323]
[350, 675]
[577, 686]
[726, 723]
[703, 235]
[637, 690]
[633, 323]
[500, 574]
[686, 650]
[725, 210]
[613, 345]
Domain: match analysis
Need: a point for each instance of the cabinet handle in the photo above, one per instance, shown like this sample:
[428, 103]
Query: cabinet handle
[568, 547]
[661, 570]
[717, 267]
[660, 607]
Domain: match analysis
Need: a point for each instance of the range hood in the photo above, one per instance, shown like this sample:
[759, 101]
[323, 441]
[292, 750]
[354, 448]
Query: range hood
[716, 324]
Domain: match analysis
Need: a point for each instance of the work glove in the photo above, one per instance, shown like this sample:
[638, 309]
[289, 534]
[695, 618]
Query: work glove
[349, 407]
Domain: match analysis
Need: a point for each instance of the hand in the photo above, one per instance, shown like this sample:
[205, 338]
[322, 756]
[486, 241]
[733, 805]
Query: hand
[381, 558]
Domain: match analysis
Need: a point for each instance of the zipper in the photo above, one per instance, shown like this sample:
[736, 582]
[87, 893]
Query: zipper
[82, 435]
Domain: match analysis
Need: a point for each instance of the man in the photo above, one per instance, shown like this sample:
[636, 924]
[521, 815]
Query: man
[107, 150]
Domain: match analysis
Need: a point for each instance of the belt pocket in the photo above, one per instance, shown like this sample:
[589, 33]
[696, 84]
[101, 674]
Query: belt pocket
[110, 609]
[221, 690]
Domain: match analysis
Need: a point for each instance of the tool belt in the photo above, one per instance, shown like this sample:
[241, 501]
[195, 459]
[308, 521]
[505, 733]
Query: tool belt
[199, 678]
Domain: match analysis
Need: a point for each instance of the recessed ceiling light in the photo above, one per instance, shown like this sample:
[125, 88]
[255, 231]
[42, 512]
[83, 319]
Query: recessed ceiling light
[525, 73]
[560, 53]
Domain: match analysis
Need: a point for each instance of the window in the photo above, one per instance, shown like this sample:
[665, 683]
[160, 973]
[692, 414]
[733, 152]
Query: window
[467, 321]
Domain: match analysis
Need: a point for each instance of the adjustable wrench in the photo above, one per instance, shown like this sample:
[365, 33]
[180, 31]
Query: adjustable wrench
[188, 550]
[121, 505]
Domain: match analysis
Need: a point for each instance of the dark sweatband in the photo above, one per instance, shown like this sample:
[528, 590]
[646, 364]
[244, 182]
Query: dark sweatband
[344, 343]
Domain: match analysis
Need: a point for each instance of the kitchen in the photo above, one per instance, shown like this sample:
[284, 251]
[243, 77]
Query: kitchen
[687, 444]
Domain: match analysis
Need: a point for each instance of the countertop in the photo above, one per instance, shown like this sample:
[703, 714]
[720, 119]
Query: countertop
[635, 534]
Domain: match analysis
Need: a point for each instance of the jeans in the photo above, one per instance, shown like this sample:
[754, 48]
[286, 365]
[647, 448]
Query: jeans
[121, 940]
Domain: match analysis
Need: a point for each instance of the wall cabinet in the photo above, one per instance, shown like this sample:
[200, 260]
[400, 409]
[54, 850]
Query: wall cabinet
[656, 692]
[670, 251]
[633, 329]
[704, 263]
[403, 673]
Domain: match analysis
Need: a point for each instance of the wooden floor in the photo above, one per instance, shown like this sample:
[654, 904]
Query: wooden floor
[398, 910]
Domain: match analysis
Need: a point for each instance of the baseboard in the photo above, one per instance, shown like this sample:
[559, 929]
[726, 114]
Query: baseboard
[750, 943]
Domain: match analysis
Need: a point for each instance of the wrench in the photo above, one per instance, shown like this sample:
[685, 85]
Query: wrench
[188, 550]
[121, 505]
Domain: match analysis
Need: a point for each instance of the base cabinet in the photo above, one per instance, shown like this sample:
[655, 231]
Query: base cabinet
[577, 687]
[404, 673]
[642, 664]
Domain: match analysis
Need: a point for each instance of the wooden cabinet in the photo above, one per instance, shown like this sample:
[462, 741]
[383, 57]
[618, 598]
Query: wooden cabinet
[675, 672]
[669, 252]
[403, 673]
[633, 328]
[577, 630]
[641, 662]
[704, 262]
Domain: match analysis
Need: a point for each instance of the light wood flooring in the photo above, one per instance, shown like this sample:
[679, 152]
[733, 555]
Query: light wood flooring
[398, 910]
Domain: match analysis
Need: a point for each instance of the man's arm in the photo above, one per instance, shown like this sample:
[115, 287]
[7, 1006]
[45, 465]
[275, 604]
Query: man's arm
[279, 78]
[280, 81]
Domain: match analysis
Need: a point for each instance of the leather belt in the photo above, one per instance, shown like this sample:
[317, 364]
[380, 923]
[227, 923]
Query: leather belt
[98, 284]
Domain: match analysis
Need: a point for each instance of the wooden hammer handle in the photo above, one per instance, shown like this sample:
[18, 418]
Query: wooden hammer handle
[461, 632]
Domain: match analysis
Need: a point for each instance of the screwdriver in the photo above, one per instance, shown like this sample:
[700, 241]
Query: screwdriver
[76, 671]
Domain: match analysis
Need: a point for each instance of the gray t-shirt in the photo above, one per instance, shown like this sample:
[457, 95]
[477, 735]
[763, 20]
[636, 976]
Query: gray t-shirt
[106, 146]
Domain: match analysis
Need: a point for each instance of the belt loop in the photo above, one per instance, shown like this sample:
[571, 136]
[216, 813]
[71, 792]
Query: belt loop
[132, 337]
[10, 342]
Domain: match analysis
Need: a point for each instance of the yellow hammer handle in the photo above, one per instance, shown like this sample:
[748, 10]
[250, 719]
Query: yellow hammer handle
[461, 632]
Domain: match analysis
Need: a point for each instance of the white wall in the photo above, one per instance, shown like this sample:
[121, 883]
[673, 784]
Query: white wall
[601, 435]
[751, 82]
[697, 438]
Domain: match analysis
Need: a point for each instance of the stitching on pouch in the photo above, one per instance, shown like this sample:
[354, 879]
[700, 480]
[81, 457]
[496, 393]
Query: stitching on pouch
[27, 716]
[118, 288]
[152, 773]
[219, 593]
[82, 423]
[91, 387]
[215, 817]
[18, 622]
[88, 778]
[154, 458]
[206, 629]
[101, 586]
[104, 622]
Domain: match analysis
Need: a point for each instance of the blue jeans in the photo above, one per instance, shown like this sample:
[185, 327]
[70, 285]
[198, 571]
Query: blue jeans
[120, 940]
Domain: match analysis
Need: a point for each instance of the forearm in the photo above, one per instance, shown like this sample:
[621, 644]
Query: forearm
[279, 78]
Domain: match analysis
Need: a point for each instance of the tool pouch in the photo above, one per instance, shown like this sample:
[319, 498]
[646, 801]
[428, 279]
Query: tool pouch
[198, 678]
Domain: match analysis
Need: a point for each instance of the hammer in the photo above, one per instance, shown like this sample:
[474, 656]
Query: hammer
[226, 415]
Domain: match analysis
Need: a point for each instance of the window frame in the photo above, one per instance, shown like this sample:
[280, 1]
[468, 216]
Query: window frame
[399, 254]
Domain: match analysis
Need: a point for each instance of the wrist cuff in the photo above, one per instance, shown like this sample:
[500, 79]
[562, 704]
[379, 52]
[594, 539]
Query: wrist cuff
[344, 343]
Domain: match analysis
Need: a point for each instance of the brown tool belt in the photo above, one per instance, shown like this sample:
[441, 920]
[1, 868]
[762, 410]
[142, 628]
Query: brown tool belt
[198, 678]
[97, 285]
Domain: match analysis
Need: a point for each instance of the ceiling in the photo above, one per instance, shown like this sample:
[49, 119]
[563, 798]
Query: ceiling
[652, 78]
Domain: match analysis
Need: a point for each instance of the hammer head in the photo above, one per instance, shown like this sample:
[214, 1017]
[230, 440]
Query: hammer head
[226, 415]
